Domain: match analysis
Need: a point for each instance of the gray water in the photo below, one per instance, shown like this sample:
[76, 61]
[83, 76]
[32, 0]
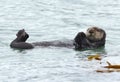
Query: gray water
[46, 20]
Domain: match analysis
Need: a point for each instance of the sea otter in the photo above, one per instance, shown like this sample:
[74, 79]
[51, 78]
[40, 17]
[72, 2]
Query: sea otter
[93, 38]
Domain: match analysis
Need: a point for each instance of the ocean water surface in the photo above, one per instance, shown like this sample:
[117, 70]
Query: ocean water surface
[46, 20]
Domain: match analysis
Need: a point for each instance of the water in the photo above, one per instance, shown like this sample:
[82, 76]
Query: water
[57, 20]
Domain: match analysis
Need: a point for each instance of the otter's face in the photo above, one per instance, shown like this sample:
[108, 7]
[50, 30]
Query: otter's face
[94, 33]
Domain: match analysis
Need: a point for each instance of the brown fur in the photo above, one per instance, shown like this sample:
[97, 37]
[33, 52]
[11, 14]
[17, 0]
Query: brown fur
[94, 38]
[95, 33]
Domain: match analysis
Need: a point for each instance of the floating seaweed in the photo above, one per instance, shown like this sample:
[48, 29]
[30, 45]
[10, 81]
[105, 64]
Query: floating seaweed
[111, 68]
[107, 71]
[96, 57]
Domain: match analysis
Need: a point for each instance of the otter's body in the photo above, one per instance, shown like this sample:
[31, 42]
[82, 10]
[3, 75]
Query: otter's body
[22, 36]
[94, 38]
[56, 43]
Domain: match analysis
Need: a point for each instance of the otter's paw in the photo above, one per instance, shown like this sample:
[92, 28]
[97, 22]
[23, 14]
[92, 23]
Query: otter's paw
[81, 34]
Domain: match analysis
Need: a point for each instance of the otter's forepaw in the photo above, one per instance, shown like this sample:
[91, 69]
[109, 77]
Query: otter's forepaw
[82, 34]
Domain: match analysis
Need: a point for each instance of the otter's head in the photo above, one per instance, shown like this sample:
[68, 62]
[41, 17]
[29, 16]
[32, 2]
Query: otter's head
[22, 35]
[95, 34]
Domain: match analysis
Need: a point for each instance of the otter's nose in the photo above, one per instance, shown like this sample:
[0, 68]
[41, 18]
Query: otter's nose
[90, 32]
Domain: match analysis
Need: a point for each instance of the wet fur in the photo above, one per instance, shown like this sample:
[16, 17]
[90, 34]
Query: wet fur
[94, 38]
[20, 41]
[22, 36]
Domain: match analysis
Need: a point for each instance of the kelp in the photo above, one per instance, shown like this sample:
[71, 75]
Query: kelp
[96, 57]
[107, 71]
[111, 68]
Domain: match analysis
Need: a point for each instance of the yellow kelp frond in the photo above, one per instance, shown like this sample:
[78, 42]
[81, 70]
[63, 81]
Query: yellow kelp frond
[112, 66]
[96, 57]
[107, 71]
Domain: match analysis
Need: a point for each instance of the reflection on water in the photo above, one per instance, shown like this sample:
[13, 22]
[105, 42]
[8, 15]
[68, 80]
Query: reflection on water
[57, 20]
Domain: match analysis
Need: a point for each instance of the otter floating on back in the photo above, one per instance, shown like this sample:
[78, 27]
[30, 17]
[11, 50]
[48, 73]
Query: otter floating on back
[93, 38]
